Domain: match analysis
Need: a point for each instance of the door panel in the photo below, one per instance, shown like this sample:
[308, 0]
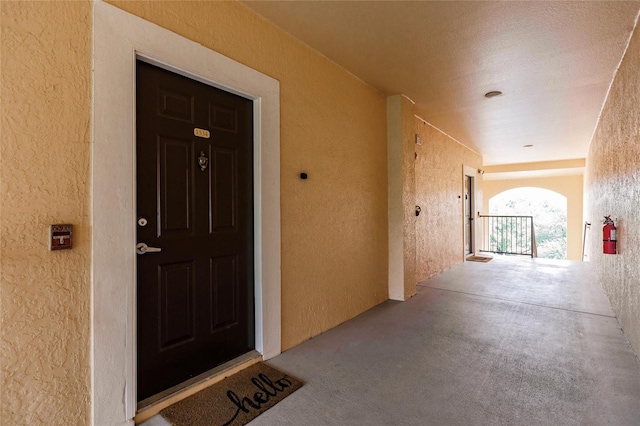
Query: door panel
[224, 275]
[195, 307]
[176, 188]
[177, 304]
[175, 105]
[224, 192]
[221, 118]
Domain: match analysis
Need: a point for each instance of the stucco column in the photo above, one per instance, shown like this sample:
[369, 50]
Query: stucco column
[401, 182]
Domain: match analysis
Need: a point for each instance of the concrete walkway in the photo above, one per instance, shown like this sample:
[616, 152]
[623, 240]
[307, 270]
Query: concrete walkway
[509, 342]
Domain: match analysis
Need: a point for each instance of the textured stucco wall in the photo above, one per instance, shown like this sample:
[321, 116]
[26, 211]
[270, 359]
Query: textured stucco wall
[439, 189]
[334, 225]
[612, 183]
[402, 197]
[569, 186]
[44, 175]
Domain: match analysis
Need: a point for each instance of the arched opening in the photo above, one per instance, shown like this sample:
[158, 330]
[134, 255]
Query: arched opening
[549, 211]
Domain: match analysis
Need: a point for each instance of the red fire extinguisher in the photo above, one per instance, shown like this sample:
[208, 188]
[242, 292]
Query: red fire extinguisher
[609, 236]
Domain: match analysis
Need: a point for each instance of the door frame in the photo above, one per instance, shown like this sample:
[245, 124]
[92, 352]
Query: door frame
[120, 38]
[469, 172]
[469, 202]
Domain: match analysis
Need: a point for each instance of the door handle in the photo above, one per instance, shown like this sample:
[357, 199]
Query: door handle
[142, 248]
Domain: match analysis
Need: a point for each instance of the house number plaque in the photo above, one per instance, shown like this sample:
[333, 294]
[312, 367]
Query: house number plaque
[201, 133]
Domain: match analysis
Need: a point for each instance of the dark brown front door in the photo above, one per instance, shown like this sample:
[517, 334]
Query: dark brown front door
[195, 305]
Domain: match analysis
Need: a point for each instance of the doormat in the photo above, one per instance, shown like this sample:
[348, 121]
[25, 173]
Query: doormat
[234, 401]
[479, 258]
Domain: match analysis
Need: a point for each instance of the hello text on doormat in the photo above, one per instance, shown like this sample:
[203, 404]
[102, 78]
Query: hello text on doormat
[234, 401]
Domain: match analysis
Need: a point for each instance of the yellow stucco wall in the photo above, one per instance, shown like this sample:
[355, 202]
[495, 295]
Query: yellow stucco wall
[408, 198]
[569, 186]
[44, 174]
[402, 186]
[612, 183]
[439, 188]
[334, 225]
[333, 127]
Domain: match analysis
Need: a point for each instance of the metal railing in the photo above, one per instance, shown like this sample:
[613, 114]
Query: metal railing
[508, 235]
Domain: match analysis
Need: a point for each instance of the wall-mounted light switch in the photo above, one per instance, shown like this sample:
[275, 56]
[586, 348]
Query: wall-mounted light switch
[60, 237]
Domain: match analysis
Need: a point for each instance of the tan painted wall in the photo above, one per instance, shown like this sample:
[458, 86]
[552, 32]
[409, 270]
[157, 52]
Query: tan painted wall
[439, 190]
[44, 174]
[613, 188]
[568, 186]
[402, 197]
[334, 225]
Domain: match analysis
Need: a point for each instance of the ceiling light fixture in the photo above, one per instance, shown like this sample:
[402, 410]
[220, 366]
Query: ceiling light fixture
[493, 94]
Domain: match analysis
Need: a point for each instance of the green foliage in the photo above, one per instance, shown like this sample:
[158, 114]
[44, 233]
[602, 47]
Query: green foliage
[510, 234]
[549, 211]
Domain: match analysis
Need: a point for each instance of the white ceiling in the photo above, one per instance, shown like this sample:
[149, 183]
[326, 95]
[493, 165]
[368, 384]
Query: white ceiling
[554, 62]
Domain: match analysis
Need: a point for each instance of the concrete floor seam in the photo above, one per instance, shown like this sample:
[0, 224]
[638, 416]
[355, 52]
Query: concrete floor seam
[517, 301]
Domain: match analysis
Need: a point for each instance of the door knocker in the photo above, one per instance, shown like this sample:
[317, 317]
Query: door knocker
[203, 161]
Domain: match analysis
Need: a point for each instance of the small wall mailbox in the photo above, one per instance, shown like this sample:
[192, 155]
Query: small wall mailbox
[61, 237]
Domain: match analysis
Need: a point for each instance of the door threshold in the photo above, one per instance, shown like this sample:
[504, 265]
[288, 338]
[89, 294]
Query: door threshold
[151, 406]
